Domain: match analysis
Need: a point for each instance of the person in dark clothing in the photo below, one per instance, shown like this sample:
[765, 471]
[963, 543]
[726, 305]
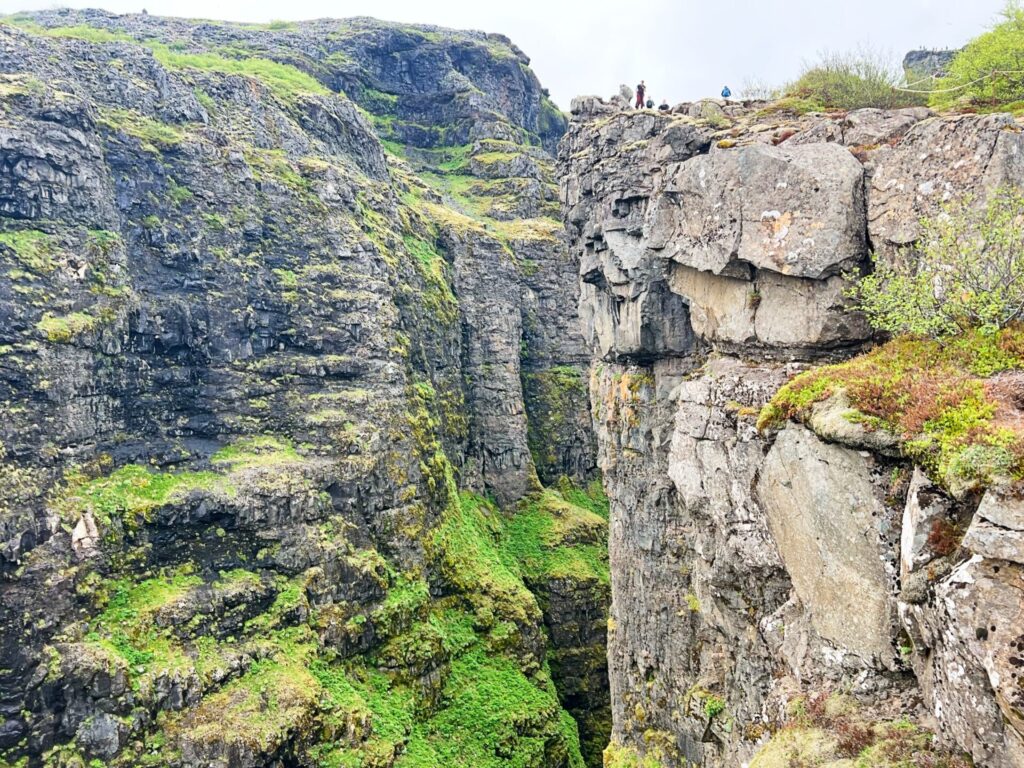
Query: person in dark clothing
[640, 91]
[663, 107]
[726, 93]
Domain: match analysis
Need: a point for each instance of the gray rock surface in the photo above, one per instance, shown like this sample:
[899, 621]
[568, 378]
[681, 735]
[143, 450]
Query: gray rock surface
[824, 514]
[750, 568]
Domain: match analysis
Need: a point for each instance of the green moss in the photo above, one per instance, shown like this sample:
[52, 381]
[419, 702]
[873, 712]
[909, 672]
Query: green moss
[466, 542]
[549, 538]
[493, 158]
[618, 756]
[557, 402]
[91, 34]
[152, 134]
[286, 82]
[127, 624]
[261, 711]
[275, 164]
[177, 193]
[938, 397]
[262, 450]
[132, 492]
[64, 329]
[490, 701]
[33, 249]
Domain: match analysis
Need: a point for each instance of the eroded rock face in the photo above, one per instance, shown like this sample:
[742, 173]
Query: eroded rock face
[795, 211]
[749, 568]
[939, 160]
[249, 359]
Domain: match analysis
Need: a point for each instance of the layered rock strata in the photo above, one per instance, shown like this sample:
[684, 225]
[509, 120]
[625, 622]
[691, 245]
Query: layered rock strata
[750, 568]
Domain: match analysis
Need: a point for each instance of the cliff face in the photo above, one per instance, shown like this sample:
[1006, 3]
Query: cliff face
[279, 307]
[752, 568]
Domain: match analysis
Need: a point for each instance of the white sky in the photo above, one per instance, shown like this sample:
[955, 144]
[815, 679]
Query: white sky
[685, 49]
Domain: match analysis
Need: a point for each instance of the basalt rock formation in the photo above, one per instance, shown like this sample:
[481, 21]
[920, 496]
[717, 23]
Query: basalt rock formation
[757, 571]
[295, 441]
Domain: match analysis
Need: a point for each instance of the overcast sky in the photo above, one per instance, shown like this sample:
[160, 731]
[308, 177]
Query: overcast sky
[685, 49]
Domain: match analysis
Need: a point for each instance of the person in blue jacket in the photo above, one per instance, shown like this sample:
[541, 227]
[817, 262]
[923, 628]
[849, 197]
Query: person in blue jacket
[726, 93]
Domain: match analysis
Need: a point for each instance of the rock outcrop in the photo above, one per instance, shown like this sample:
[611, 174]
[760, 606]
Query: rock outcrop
[279, 307]
[753, 570]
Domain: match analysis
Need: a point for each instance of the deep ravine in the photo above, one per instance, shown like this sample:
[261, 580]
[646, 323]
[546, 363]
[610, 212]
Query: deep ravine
[359, 408]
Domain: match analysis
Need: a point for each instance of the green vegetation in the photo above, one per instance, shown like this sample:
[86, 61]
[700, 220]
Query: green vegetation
[556, 398]
[33, 249]
[946, 388]
[90, 34]
[714, 706]
[490, 699]
[64, 329]
[987, 73]
[127, 625]
[829, 731]
[618, 756]
[467, 544]
[965, 272]
[177, 193]
[259, 451]
[550, 538]
[131, 492]
[944, 400]
[848, 81]
[152, 134]
[286, 82]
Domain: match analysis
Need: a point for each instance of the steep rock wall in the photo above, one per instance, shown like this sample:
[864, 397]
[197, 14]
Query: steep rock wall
[750, 569]
[264, 349]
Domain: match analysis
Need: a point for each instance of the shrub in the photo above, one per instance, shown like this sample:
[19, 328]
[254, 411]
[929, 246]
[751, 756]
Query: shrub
[966, 272]
[970, 76]
[851, 81]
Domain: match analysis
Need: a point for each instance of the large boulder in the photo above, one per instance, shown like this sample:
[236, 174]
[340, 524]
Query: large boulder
[824, 515]
[770, 310]
[797, 211]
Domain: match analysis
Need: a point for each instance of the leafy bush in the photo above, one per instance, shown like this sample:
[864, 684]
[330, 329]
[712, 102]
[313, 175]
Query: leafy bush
[970, 75]
[851, 81]
[966, 272]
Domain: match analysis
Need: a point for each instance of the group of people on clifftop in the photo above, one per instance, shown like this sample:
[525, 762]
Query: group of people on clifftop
[642, 100]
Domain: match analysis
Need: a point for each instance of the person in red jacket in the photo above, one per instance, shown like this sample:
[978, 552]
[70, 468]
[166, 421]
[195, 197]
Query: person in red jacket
[640, 91]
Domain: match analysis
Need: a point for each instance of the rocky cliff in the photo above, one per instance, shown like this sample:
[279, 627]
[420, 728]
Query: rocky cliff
[798, 574]
[285, 368]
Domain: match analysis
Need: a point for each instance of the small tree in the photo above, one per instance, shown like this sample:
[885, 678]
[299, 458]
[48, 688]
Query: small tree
[989, 71]
[965, 272]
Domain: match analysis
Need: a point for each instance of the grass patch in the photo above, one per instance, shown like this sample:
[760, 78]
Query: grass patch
[33, 249]
[90, 34]
[550, 538]
[64, 329]
[286, 82]
[152, 134]
[132, 492]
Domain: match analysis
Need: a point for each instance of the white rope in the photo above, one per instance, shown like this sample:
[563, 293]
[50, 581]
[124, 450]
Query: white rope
[965, 85]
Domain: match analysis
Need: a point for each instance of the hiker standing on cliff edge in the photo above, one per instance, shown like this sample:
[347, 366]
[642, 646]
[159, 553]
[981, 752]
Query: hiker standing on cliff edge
[640, 91]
